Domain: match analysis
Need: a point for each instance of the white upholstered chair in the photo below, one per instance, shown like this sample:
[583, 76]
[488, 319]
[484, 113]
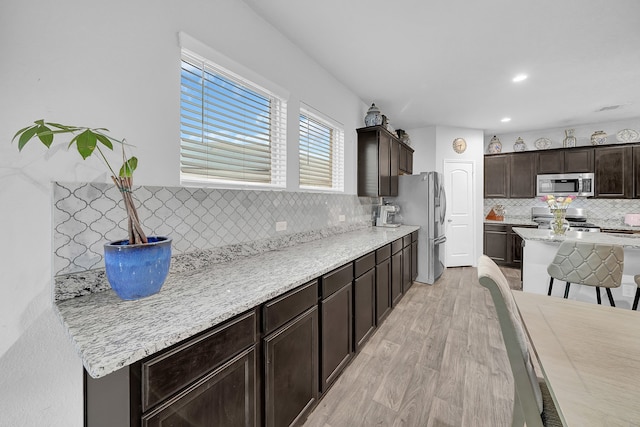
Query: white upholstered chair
[533, 405]
[590, 264]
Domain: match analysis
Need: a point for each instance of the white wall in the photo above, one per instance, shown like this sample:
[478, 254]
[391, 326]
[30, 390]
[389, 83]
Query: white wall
[557, 135]
[423, 141]
[113, 64]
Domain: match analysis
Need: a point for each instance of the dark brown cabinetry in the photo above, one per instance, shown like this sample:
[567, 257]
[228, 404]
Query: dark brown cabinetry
[381, 158]
[210, 379]
[496, 176]
[571, 160]
[383, 283]
[503, 245]
[636, 172]
[336, 321]
[414, 255]
[406, 263]
[291, 369]
[406, 159]
[364, 299]
[510, 175]
[614, 173]
[522, 175]
[396, 272]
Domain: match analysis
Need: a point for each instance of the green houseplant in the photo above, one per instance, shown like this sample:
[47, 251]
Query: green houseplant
[139, 256]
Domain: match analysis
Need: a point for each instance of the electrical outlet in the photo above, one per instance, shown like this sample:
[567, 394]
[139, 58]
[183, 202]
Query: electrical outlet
[628, 290]
[281, 225]
[341, 218]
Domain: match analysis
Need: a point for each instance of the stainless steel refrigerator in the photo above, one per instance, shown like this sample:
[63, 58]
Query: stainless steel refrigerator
[423, 202]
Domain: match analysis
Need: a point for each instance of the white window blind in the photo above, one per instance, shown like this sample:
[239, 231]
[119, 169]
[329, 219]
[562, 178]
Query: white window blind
[321, 152]
[231, 131]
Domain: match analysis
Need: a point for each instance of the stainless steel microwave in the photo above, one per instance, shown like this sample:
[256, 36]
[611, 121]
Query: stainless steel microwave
[566, 184]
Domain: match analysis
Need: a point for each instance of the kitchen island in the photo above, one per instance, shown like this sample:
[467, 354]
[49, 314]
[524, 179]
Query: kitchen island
[540, 247]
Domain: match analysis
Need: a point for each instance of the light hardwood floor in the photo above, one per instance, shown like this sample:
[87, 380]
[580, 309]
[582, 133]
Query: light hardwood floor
[438, 360]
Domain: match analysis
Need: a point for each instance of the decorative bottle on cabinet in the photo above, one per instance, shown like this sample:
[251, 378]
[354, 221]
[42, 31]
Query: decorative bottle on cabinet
[373, 117]
[519, 145]
[569, 140]
[495, 146]
[598, 138]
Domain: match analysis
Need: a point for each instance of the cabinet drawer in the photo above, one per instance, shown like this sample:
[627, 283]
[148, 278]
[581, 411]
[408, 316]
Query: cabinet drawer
[414, 236]
[495, 227]
[406, 240]
[171, 371]
[364, 264]
[336, 279]
[383, 253]
[396, 246]
[279, 311]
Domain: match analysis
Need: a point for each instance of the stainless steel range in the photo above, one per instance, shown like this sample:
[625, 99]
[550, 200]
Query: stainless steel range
[576, 217]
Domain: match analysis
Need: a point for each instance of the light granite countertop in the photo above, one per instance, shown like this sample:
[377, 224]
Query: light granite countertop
[625, 240]
[110, 333]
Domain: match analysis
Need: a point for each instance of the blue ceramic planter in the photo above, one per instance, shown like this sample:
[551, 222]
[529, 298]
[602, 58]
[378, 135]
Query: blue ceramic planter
[137, 271]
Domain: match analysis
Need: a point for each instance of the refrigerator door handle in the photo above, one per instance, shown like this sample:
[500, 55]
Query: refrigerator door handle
[440, 240]
[444, 205]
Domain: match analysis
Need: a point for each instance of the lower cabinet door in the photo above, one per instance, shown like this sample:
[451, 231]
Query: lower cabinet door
[291, 370]
[383, 290]
[396, 278]
[406, 268]
[364, 310]
[414, 260]
[336, 334]
[226, 397]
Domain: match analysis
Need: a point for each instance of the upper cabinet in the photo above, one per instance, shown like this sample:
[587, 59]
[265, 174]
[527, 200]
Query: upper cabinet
[510, 176]
[382, 157]
[614, 173]
[571, 160]
[616, 170]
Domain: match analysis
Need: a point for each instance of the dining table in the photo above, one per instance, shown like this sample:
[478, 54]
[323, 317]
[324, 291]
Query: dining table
[589, 356]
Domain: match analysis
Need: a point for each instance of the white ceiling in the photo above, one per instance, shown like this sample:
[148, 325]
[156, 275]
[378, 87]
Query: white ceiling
[450, 62]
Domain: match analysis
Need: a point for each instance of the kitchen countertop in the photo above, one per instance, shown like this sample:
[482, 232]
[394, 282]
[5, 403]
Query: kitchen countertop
[110, 333]
[624, 240]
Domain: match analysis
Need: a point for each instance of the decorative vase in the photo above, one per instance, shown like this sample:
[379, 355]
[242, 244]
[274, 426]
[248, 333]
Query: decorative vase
[570, 140]
[137, 271]
[519, 145]
[559, 224]
[373, 117]
[598, 137]
[495, 146]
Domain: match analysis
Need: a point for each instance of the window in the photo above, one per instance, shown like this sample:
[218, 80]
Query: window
[231, 130]
[321, 152]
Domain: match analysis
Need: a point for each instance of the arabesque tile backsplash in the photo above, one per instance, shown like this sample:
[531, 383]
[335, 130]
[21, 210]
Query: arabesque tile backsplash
[86, 215]
[604, 212]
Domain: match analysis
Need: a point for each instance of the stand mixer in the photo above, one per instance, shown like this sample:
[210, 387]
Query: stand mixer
[386, 214]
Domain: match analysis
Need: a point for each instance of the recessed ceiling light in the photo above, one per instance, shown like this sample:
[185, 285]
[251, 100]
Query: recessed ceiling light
[519, 78]
[505, 119]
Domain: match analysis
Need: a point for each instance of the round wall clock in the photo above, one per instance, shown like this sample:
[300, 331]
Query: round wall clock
[459, 145]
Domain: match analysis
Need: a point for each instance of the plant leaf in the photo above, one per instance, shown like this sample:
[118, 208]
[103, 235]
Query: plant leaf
[104, 140]
[26, 136]
[128, 167]
[45, 135]
[19, 132]
[86, 143]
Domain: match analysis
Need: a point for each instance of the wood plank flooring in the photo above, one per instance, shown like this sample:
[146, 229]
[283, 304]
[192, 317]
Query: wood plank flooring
[438, 360]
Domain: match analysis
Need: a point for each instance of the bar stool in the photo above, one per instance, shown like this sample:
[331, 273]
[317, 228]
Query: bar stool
[590, 264]
[635, 300]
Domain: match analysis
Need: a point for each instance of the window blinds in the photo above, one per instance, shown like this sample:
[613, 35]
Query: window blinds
[321, 153]
[230, 130]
